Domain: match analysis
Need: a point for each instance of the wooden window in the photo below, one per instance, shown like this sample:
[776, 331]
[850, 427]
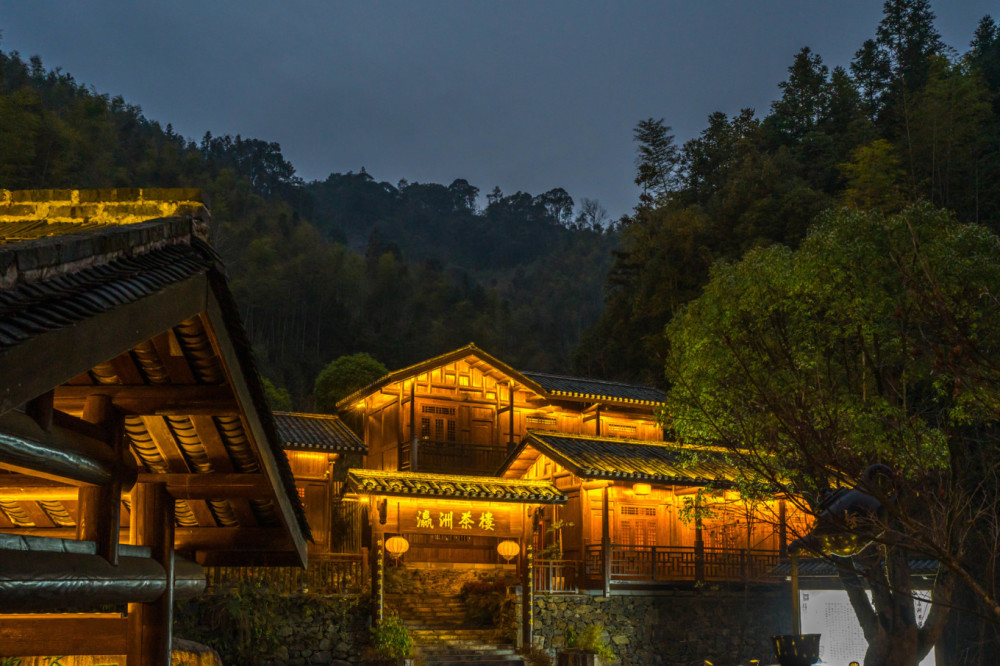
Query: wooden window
[636, 525]
[425, 428]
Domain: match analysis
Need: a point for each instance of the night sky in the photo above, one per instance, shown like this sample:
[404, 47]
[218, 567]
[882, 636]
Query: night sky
[525, 95]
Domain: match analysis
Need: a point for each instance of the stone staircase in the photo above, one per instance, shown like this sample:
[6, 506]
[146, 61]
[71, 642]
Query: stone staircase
[441, 636]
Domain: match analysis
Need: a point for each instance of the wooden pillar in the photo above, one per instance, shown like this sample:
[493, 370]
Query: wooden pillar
[414, 437]
[528, 599]
[782, 530]
[699, 543]
[151, 625]
[510, 406]
[597, 421]
[606, 544]
[99, 511]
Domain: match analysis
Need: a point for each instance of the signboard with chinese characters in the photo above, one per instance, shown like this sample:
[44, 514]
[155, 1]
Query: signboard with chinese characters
[430, 517]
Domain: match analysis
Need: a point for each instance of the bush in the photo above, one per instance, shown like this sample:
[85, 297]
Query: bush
[589, 640]
[391, 639]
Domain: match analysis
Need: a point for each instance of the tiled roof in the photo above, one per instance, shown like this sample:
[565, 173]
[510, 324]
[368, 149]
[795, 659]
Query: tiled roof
[817, 567]
[583, 388]
[446, 486]
[316, 432]
[72, 256]
[32, 308]
[613, 458]
[470, 350]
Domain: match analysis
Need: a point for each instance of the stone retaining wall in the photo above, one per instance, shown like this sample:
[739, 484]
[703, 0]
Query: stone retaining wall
[681, 628]
[306, 629]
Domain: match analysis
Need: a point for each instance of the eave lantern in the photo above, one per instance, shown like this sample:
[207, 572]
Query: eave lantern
[396, 546]
[508, 549]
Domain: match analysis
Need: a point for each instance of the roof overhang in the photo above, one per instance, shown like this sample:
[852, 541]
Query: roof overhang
[477, 358]
[451, 487]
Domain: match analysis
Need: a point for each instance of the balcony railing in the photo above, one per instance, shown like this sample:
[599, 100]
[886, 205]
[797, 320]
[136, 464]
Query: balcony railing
[452, 457]
[556, 577]
[679, 563]
[327, 574]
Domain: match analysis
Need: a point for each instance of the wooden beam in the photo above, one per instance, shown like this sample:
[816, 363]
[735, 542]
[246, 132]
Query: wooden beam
[219, 337]
[250, 539]
[211, 485]
[208, 433]
[171, 355]
[58, 453]
[170, 449]
[22, 488]
[232, 538]
[160, 399]
[52, 358]
[70, 634]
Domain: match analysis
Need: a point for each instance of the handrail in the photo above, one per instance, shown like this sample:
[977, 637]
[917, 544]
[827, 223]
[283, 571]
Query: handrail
[674, 563]
[556, 577]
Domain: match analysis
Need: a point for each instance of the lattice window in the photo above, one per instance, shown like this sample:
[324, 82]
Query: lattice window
[435, 409]
[451, 430]
[637, 525]
[621, 429]
[541, 420]
[425, 428]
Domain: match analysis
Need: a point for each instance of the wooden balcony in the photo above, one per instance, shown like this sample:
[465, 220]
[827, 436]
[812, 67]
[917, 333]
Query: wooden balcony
[451, 458]
[673, 564]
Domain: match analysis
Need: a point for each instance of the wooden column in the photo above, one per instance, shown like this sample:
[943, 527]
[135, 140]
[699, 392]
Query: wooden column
[151, 625]
[606, 544]
[699, 544]
[597, 421]
[510, 406]
[99, 510]
[782, 530]
[414, 437]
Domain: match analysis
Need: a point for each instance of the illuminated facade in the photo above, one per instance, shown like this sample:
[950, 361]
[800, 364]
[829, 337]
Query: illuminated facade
[454, 444]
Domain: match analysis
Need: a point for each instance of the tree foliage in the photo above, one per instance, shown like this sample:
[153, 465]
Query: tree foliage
[344, 376]
[877, 340]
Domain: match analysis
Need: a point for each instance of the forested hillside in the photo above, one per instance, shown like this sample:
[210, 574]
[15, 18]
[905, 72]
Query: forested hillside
[907, 119]
[335, 267]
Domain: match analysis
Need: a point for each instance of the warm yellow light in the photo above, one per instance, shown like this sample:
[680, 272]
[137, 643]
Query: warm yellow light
[396, 546]
[508, 549]
[642, 489]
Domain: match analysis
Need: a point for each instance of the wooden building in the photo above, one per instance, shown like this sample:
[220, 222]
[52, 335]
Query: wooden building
[135, 442]
[622, 507]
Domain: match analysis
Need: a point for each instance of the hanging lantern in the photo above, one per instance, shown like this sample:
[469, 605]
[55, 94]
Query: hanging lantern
[508, 549]
[396, 546]
[642, 489]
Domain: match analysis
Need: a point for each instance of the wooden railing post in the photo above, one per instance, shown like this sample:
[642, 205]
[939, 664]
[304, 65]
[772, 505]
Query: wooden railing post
[606, 545]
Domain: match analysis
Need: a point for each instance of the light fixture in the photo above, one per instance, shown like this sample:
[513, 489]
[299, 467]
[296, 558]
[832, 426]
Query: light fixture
[508, 549]
[396, 546]
[642, 489]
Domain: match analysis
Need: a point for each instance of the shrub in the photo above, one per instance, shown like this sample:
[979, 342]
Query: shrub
[391, 639]
[589, 640]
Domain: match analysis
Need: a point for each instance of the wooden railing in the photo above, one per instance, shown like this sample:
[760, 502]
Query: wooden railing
[327, 574]
[679, 563]
[452, 457]
[556, 577]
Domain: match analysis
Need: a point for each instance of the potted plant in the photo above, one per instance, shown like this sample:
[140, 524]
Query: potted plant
[585, 648]
[391, 642]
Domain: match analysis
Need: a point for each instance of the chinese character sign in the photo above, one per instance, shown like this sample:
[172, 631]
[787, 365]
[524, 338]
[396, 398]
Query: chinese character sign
[454, 521]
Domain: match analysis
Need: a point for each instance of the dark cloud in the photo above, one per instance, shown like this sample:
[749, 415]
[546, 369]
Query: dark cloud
[525, 95]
